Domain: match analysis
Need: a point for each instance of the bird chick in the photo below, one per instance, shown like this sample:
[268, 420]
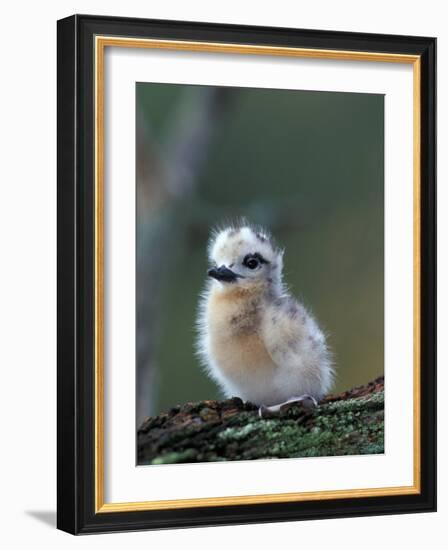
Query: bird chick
[255, 340]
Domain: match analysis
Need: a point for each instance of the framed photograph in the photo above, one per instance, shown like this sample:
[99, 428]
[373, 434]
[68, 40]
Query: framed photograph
[246, 274]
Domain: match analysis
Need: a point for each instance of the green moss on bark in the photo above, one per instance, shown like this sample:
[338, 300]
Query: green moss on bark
[348, 424]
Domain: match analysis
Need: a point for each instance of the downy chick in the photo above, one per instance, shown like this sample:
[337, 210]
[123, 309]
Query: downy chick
[255, 340]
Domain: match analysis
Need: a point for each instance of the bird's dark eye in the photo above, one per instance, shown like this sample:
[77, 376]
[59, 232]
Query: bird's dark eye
[251, 262]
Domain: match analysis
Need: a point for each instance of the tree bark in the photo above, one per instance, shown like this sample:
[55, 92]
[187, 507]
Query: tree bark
[351, 423]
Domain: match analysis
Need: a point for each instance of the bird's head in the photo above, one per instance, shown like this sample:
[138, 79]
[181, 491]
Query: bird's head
[245, 257]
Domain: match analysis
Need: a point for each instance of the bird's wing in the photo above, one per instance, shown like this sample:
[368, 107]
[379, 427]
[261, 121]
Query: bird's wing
[290, 334]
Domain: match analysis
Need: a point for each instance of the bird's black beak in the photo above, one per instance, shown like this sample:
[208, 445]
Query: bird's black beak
[223, 274]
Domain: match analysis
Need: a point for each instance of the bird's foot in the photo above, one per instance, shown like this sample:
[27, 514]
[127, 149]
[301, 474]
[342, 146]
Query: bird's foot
[307, 401]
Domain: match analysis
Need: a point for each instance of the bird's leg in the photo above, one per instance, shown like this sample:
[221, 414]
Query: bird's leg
[308, 402]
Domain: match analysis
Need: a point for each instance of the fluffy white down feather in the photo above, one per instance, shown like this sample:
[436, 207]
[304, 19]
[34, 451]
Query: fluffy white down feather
[254, 339]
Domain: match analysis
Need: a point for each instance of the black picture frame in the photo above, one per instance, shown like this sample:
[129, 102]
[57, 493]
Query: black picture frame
[76, 480]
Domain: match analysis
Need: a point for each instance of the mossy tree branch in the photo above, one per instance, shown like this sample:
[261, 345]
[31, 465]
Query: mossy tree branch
[346, 424]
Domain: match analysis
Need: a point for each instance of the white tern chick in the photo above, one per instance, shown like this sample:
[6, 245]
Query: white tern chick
[255, 340]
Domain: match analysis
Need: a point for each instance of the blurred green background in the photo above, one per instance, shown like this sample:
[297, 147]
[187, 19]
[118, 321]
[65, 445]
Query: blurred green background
[307, 165]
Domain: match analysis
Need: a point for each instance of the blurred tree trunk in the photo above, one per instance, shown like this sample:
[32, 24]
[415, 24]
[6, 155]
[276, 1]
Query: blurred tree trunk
[166, 176]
